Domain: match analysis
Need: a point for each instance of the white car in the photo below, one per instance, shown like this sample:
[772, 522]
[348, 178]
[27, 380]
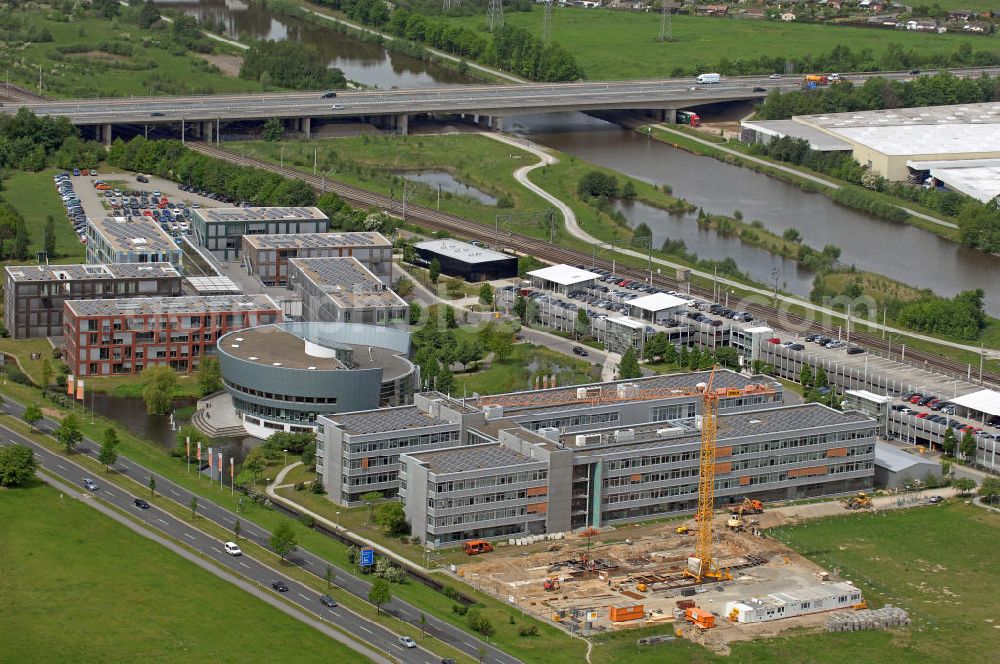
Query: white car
[233, 549]
[407, 642]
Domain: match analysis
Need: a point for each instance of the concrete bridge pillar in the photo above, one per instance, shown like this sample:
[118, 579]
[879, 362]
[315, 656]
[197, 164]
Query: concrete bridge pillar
[306, 126]
[475, 119]
[669, 116]
[402, 124]
[106, 134]
[206, 131]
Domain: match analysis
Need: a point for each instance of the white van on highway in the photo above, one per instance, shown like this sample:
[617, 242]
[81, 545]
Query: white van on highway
[709, 78]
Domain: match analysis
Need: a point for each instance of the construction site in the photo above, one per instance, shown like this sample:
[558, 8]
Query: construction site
[715, 578]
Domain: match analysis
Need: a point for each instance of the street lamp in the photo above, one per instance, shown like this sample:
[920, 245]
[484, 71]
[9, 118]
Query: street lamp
[338, 519]
[283, 465]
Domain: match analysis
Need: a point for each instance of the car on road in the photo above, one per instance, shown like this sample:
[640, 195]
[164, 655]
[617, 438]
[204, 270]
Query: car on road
[914, 72]
[89, 484]
[774, 77]
[934, 500]
[327, 601]
[577, 350]
[758, 88]
[142, 178]
[407, 642]
[141, 503]
[232, 548]
[279, 586]
[156, 114]
[329, 94]
[337, 107]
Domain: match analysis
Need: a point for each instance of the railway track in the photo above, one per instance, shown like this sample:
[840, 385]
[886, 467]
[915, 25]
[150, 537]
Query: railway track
[17, 93]
[555, 254]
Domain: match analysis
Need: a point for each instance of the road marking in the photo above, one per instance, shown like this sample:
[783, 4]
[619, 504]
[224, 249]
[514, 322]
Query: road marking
[124, 469]
[364, 628]
[173, 492]
[108, 493]
[245, 565]
[399, 646]
[161, 521]
[187, 535]
[303, 596]
[60, 466]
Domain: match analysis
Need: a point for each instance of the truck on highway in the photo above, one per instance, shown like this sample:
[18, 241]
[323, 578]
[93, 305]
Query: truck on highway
[688, 118]
[709, 78]
[816, 79]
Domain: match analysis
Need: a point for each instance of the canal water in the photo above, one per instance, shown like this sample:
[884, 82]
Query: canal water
[446, 182]
[901, 252]
[360, 61]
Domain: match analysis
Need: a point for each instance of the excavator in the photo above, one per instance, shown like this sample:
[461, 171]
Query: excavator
[551, 584]
[862, 501]
[748, 506]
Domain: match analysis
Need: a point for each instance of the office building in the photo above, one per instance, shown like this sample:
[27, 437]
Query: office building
[34, 294]
[342, 290]
[114, 337]
[115, 240]
[266, 256]
[220, 230]
[466, 260]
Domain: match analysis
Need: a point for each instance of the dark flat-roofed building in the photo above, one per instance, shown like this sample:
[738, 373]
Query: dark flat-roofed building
[266, 256]
[115, 240]
[220, 230]
[34, 294]
[343, 290]
[468, 261]
[113, 337]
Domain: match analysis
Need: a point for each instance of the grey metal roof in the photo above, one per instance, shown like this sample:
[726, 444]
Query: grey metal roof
[385, 419]
[316, 240]
[345, 280]
[34, 273]
[139, 236]
[255, 214]
[896, 460]
[818, 139]
[193, 304]
[463, 251]
[474, 457]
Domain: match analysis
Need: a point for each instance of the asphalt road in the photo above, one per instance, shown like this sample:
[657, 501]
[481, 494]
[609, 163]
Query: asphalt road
[498, 99]
[377, 636]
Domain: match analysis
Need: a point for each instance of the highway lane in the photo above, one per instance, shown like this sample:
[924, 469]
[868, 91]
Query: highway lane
[375, 635]
[303, 558]
[500, 99]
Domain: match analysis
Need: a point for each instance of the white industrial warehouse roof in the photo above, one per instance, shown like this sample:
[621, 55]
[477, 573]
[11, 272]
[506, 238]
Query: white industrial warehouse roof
[657, 302]
[924, 139]
[818, 139]
[564, 275]
[984, 401]
[978, 178]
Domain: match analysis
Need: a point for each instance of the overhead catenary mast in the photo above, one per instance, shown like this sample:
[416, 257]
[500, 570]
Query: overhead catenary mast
[494, 15]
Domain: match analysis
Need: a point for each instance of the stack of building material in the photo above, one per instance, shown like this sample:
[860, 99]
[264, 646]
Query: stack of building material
[856, 621]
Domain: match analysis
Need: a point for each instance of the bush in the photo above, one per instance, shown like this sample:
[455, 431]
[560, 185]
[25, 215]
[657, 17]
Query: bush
[478, 622]
[460, 609]
[17, 376]
[451, 593]
[531, 630]
[597, 184]
[307, 520]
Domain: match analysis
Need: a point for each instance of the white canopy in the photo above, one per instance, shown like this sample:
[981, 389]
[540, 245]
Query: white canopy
[564, 275]
[657, 302]
[985, 401]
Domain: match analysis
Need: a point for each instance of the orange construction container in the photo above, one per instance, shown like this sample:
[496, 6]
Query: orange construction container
[700, 617]
[623, 613]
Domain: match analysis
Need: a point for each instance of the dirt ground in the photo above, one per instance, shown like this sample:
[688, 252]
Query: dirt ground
[585, 596]
[227, 63]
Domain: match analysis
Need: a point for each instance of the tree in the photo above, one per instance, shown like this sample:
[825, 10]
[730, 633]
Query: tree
[444, 380]
[109, 448]
[629, 365]
[628, 191]
[821, 380]
[469, 352]
[46, 373]
[806, 377]
[283, 539]
[371, 498]
[968, 446]
[502, 345]
[521, 308]
[990, 488]
[158, 383]
[68, 434]
[965, 485]
[238, 530]
[415, 312]
[449, 318]
[253, 467]
[728, 357]
[949, 442]
[49, 237]
[582, 325]
[152, 486]
[435, 270]
[209, 375]
[273, 129]
[17, 464]
[392, 517]
[478, 622]
[194, 506]
[792, 235]
[380, 594]
[597, 184]
[329, 576]
[32, 415]
[486, 294]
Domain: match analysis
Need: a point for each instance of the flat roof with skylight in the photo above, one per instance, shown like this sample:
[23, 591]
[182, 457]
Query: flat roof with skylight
[194, 304]
[133, 236]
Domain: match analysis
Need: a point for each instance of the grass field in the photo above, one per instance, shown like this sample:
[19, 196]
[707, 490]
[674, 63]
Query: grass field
[75, 584]
[156, 66]
[35, 197]
[612, 44]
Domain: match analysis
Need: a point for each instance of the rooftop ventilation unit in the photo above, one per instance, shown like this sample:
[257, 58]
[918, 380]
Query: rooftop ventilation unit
[493, 412]
[624, 435]
[551, 433]
[583, 440]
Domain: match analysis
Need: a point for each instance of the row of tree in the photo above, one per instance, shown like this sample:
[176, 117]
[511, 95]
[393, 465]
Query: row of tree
[172, 160]
[293, 65]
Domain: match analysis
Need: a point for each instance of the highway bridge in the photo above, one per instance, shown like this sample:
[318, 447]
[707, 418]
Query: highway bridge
[486, 104]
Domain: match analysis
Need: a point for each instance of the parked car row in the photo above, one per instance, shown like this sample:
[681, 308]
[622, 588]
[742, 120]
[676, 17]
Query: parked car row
[820, 340]
[71, 201]
[222, 198]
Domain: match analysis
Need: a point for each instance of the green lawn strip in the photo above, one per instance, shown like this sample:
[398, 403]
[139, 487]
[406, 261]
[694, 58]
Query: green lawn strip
[224, 533]
[94, 74]
[34, 195]
[22, 349]
[154, 457]
[66, 564]
[131, 385]
[613, 44]
[927, 560]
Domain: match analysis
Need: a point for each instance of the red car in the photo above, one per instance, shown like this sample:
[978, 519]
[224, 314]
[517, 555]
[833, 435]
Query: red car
[916, 398]
[922, 415]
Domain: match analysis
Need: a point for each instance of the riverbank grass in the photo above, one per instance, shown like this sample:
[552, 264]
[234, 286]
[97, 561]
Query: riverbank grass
[116, 594]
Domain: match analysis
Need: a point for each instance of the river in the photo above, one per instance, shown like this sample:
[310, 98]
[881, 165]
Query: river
[904, 253]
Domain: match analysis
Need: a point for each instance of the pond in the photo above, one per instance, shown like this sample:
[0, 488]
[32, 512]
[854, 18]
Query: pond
[446, 182]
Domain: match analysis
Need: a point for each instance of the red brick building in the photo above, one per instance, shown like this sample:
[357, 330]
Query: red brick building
[114, 337]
